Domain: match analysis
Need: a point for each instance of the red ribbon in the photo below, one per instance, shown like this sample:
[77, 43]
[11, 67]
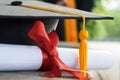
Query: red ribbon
[51, 60]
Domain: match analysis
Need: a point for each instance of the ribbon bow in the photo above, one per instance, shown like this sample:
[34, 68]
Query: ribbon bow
[48, 44]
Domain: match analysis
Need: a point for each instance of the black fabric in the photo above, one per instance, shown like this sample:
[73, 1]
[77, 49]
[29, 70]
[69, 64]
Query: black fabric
[61, 30]
[86, 5]
[14, 31]
[51, 1]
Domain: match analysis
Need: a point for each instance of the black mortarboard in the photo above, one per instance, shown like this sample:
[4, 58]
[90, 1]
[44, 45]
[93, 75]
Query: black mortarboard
[16, 21]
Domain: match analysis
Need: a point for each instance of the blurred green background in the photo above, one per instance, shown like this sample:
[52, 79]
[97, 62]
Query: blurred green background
[105, 29]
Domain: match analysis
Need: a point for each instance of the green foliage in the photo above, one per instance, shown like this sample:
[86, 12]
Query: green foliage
[104, 29]
[113, 27]
[96, 30]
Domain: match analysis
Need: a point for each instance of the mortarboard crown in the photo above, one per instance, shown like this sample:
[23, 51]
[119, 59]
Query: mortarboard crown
[16, 21]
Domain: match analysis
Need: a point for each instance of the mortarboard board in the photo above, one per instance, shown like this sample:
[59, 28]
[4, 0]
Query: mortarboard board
[16, 21]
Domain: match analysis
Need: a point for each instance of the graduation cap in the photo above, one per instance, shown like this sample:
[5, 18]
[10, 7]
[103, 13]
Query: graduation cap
[17, 18]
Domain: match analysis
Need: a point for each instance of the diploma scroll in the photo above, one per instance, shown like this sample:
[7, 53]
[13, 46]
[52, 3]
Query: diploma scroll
[22, 57]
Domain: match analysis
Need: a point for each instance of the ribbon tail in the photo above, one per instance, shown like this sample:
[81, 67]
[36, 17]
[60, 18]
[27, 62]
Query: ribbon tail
[77, 75]
[55, 72]
[72, 71]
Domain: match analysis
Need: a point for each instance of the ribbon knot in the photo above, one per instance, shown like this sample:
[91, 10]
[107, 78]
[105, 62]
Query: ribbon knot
[48, 44]
[53, 52]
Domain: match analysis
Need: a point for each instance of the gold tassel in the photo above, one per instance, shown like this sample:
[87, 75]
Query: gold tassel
[83, 35]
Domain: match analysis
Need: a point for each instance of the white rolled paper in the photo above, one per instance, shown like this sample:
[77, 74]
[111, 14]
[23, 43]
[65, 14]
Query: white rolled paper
[22, 57]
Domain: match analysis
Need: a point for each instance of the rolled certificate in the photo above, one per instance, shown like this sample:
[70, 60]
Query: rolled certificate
[21, 57]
